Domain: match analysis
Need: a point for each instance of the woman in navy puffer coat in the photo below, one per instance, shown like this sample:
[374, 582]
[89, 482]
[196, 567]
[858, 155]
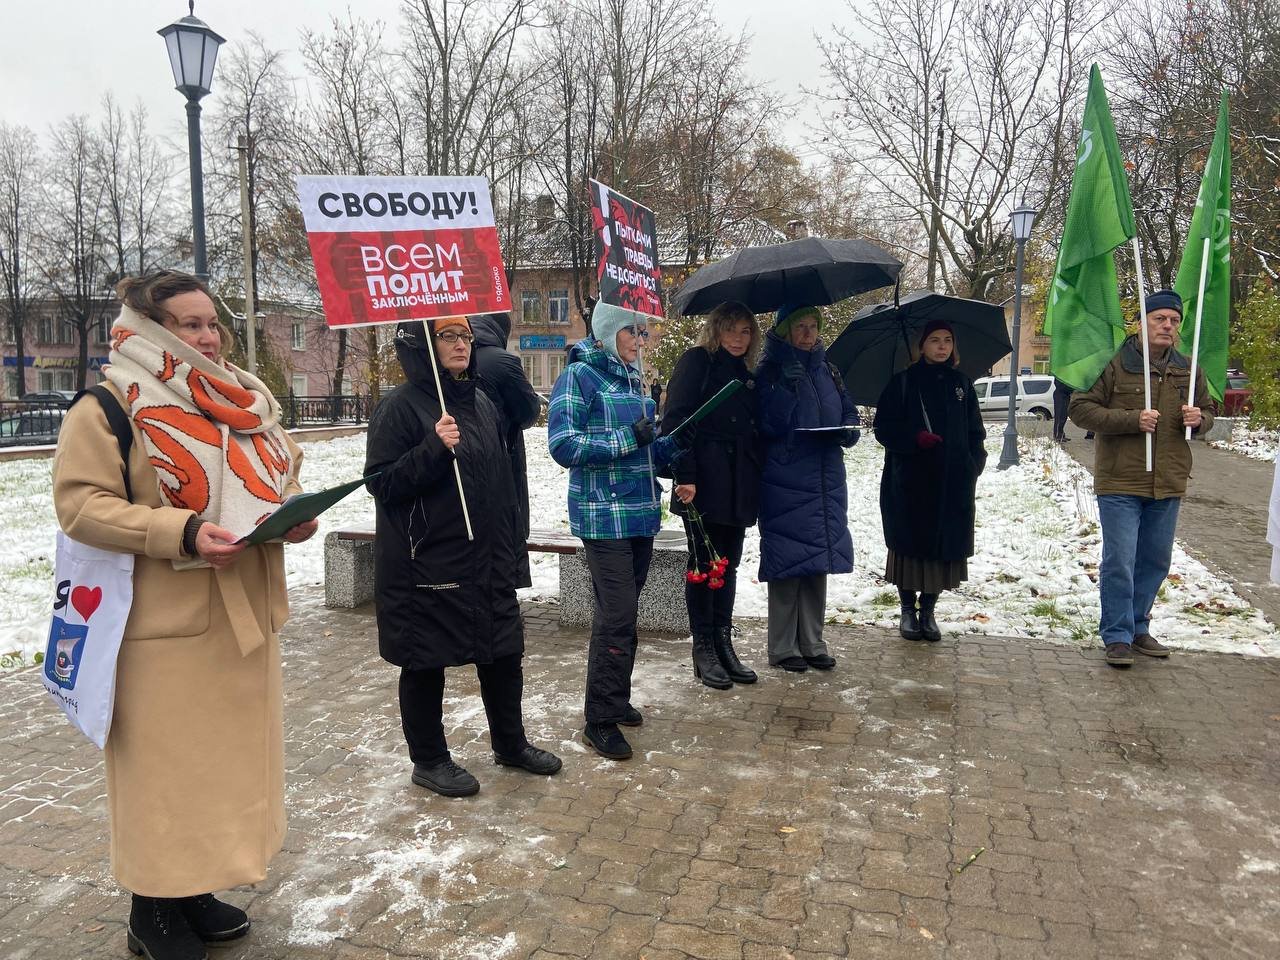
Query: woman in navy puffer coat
[804, 529]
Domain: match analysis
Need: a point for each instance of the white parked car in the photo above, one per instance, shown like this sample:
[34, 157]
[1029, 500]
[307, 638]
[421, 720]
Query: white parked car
[1035, 395]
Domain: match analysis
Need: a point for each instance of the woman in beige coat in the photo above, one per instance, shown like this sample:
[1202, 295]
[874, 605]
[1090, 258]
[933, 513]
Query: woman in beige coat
[194, 759]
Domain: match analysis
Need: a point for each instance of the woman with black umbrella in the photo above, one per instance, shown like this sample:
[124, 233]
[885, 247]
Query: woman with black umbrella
[717, 485]
[928, 421]
[806, 417]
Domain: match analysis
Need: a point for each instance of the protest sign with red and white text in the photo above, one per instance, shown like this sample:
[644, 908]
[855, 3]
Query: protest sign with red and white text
[626, 236]
[403, 248]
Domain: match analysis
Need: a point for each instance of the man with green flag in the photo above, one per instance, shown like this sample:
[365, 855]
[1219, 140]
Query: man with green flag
[1132, 392]
[1083, 314]
[1211, 224]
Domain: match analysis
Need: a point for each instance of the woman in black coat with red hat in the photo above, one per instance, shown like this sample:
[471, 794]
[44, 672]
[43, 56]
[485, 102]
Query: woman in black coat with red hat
[929, 423]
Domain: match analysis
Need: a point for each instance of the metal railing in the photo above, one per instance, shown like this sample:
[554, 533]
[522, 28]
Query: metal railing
[31, 422]
[36, 422]
[304, 411]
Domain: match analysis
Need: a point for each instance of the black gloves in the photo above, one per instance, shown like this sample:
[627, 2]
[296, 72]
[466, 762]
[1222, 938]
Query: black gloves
[793, 374]
[643, 429]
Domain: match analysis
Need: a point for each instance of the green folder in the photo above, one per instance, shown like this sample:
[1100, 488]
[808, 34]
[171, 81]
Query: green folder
[725, 392]
[300, 508]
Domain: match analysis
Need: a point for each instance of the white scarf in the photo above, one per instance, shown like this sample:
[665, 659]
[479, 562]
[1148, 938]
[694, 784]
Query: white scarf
[212, 430]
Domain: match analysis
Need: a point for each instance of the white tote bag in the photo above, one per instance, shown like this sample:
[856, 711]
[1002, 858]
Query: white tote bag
[92, 597]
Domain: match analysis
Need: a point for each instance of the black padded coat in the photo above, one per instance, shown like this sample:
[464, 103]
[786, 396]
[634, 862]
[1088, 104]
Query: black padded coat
[441, 600]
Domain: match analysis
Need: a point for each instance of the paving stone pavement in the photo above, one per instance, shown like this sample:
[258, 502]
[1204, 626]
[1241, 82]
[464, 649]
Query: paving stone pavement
[1112, 814]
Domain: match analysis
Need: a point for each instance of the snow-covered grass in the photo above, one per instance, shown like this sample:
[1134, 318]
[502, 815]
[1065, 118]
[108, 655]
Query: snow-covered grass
[1256, 442]
[1033, 575]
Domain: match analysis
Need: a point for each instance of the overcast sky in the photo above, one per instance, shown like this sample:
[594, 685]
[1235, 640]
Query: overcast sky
[58, 56]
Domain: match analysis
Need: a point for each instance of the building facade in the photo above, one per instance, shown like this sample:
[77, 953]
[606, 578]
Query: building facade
[51, 351]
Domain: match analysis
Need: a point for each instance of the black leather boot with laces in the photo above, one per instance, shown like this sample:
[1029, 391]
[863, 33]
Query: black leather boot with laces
[212, 920]
[738, 671]
[158, 931]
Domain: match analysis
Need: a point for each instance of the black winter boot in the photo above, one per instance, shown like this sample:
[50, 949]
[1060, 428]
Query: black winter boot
[212, 920]
[909, 622]
[158, 931]
[928, 626]
[738, 671]
[706, 665]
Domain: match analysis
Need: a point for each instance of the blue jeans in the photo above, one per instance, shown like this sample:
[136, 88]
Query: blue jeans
[1137, 546]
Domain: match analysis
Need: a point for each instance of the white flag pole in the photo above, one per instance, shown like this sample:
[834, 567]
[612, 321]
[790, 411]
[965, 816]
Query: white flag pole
[653, 484]
[1146, 345]
[1195, 341]
[457, 473]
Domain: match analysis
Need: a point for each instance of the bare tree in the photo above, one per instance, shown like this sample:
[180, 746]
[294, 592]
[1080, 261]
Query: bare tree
[111, 169]
[76, 241]
[343, 130]
[1164, 108]
[257, 107]
[19, 273]
[955, 110]
[150, 172]
[462, 58]
[714, 125]
[1240, 49]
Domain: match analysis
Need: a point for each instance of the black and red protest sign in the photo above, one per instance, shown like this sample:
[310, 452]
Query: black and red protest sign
[403, 248]
[627, 270]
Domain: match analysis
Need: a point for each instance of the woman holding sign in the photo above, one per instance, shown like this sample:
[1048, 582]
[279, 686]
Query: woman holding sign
[806, 418]
[194, 760]
[599, 424]
[717, 486]
[445, 579]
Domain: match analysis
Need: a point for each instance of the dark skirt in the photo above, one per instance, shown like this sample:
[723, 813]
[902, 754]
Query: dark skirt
[926, 576]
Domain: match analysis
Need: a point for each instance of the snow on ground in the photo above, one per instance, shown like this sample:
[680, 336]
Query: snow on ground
[1257, 442]
[1038, 547]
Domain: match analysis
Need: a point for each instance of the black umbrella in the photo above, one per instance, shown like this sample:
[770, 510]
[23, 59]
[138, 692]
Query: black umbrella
[810, 272]
[877, 342]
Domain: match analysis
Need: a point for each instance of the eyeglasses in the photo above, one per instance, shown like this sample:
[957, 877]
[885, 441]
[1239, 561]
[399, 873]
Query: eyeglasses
[637, 331]
[451, 337]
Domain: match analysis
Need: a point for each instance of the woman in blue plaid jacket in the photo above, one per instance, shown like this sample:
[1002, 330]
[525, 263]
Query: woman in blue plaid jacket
[599, 425]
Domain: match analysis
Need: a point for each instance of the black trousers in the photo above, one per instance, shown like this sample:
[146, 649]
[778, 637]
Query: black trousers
[618, 571]
[711, 609]
[422, 709]
[1061, 400]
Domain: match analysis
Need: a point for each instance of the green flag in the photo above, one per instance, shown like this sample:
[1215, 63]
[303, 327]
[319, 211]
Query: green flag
[1083, 314]
[1212, 219]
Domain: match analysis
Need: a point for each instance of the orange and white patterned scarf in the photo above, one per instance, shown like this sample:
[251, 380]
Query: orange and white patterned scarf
[212, 430]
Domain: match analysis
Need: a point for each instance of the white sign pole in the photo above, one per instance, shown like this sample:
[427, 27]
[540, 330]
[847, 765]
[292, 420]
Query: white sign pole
[653, 484]
[457, 473]
[1146, 345]
[1195, 341]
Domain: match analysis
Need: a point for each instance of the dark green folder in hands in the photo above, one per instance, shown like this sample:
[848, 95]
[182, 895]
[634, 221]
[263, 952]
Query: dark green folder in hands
[300, 508]
[724, 393]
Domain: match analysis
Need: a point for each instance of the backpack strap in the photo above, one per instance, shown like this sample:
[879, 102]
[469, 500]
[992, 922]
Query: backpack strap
[835, 376]
[120, 425]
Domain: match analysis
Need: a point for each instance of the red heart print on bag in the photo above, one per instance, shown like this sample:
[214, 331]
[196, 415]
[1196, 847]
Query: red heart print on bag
[86, 601]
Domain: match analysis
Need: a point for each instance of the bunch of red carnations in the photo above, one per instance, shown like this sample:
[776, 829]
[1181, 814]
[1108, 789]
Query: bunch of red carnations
[713, 576]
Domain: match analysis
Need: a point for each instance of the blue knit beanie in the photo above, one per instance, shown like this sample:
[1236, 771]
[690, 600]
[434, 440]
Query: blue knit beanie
[791, 311]
[607, 320]
[1164, 300]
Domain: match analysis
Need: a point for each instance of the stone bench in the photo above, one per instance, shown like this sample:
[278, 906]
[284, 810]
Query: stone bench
[348, 576]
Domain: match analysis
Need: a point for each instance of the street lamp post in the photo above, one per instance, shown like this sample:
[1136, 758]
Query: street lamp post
[193, 49]
[1022, 217]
